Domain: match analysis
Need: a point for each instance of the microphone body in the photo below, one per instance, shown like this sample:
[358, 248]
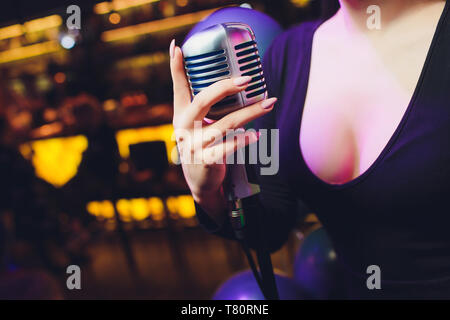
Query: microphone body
[223, 51]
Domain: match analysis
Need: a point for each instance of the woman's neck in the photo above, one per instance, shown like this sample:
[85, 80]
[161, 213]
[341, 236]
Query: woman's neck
[354, 14]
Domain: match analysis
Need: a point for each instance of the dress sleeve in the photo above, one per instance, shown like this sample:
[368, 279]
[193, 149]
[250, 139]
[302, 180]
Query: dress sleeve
[271, 214]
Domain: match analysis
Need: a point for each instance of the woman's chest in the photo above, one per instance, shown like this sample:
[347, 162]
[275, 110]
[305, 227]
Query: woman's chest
[356, 98]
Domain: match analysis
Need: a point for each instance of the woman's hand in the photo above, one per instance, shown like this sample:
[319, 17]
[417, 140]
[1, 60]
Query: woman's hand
[203, 155]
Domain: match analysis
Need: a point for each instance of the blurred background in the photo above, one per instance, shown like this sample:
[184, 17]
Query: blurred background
[86, 175]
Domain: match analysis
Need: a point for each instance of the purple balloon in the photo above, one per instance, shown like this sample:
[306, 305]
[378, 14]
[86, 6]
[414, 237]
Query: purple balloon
[243, 286]
[264, 27]
[315, 267]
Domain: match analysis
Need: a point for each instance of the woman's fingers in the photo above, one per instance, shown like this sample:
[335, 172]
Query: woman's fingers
[209, 140]
[218, 153]
[214, 93]
[181, 91]
[239, 118]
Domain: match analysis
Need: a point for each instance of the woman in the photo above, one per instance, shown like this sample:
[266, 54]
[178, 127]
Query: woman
[364, 119]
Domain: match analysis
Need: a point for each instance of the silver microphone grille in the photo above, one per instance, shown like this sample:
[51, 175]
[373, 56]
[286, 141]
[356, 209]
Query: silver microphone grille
[220, 52]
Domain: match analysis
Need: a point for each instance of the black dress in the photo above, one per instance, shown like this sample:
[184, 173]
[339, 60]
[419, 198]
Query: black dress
[396, 215]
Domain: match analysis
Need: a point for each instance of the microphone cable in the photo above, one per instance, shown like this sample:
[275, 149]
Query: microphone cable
[265, 278]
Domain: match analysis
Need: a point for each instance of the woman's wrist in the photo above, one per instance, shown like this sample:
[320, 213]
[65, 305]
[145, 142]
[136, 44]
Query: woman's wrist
[214, 203]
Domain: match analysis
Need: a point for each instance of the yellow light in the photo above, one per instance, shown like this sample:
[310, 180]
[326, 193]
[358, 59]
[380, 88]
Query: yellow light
[172, 204]
[182, 3]
[114, 18]
[56, 160]
[101, 209]
[40, 24]
[125, 4]
[35, 25]
[181, 205]
[156, 207]
[11, 31]
[186, 207]
[139, 209]
[155, 26]
[300, 3]
[132, 136]
[124, 208]
[117, 5]
[107, 209]
[102, 7]
[93, 208]
[28, 51]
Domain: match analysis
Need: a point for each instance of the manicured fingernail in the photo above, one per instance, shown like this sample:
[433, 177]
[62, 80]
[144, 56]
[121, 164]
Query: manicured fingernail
[241, 81]
[253, 138]
[266, 104]
[172, 48]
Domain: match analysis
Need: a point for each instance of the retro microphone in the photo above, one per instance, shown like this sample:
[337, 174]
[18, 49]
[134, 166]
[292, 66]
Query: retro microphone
[224, 51]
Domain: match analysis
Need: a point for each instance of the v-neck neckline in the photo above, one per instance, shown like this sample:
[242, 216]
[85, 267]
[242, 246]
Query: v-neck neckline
[397, 131]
